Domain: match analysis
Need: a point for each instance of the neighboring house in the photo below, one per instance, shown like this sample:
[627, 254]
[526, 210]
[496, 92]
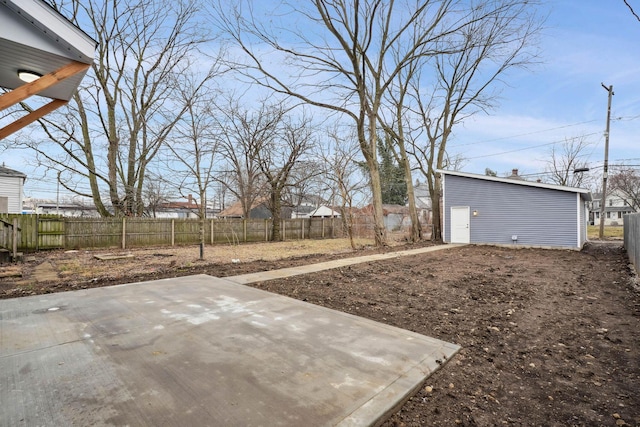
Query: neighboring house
[303, 211]
[423, 202]
[615, 209]
[188, 209]
[395, 217]
[309, 211]
[76, 210]
[259, 210]
[11, 189]
[484, 209]
[324, 212]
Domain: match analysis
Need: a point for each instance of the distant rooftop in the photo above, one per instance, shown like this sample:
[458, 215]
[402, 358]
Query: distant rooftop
[12, 173]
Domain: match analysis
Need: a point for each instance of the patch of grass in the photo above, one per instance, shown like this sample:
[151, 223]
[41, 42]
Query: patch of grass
[610, 232]
[68, 267]
[76, 268]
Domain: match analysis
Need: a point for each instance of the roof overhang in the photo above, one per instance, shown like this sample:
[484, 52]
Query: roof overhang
[585, 194]
[38, 39]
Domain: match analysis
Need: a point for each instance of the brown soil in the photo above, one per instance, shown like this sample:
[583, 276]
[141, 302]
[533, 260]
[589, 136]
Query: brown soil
[548, 337]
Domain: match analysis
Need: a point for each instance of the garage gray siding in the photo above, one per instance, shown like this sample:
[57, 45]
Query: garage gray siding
[538, 216]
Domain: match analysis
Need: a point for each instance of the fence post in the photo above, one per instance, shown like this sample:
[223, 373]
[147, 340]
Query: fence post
[173, 232]
[15, 238]
[37, 227]
[124, 233]
[212, 240]
[284, 230]
[266, 230]
[302, 229]
[333, 224]
[244, 229]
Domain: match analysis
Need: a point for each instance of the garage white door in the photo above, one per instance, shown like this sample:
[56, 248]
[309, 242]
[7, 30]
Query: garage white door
[460, 232]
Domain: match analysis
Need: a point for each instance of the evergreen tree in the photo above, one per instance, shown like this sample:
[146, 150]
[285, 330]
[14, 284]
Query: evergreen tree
[392, 183]
[394, 187]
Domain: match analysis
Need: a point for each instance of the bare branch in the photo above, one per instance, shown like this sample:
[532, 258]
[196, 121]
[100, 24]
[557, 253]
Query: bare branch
[631, 9]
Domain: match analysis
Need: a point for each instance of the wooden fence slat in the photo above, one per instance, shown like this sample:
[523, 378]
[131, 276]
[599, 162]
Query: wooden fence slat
[40, 232]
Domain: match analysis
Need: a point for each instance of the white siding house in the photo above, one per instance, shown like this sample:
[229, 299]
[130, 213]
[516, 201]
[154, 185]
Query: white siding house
[491, 210]
[615, 208]
[11, 186]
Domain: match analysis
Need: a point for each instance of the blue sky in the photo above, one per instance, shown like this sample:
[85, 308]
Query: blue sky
[585, 43]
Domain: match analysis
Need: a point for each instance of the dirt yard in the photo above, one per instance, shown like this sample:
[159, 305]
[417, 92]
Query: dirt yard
[549, 337]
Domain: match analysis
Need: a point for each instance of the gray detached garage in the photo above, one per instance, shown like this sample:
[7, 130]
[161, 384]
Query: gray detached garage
[483, 209]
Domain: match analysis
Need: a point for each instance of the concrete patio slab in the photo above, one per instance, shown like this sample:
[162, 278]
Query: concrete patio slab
[201, 351]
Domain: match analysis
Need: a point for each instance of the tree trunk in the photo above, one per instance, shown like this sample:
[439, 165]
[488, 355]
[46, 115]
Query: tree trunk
[275, 215]
[415, 233]
[202, 213]
[112, 163]
[91, 164]
[369, 151]
[379, 230]
[347, 224]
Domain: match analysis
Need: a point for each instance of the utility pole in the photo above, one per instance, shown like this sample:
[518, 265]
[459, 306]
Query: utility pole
[58, 195]
[606, 161]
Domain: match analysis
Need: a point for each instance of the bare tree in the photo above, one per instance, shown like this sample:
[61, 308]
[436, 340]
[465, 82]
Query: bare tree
[277, 158]
[453, 86]
[307, 184]
[340, 157]
[395, 126]
[565, 160]
[155, 194]
[192, 153]
[128, 106]
[242, 133]
[627, 184]
[338, 56]
[194, 149]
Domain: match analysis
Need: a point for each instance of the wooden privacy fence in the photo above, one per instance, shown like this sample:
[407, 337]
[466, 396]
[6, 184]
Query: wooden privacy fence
[52, 231]
[37, 231]
[632, 239]
[9, 237]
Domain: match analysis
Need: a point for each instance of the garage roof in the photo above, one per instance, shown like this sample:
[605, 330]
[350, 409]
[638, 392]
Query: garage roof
[584, 193]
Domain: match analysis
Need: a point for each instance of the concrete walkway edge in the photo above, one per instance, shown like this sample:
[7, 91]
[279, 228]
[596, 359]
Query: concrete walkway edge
[262, 276]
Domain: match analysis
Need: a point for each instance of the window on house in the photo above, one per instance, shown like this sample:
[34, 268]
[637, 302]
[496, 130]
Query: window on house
[608, 214]
[619, 214]
[610, 202]
[597, 215]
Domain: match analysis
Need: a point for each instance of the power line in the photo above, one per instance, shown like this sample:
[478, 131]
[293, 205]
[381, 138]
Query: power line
[625, 119]
[524, 148]
[525, 134]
